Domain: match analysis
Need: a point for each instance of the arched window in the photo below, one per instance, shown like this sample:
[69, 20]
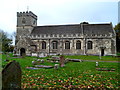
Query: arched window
[43, 45]
[78, 45]
[89, 44]
[67, 45]
[55, 44]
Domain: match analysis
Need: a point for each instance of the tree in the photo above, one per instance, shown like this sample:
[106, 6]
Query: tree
[14, 37]
[117, 29]
[5, 42]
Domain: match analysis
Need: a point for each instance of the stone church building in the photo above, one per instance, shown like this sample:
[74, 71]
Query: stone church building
[73, 39]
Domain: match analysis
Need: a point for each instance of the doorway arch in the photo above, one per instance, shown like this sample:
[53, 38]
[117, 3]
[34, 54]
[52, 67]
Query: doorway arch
[102, 52]
[22, 52]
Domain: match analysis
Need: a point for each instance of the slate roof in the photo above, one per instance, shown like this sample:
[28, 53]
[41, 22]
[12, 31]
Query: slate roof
[73, 29]
[90, 29]
[57, 29]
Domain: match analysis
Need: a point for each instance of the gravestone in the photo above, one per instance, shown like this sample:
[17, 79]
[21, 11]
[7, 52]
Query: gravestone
[34, 62]
[42, 61]
[62, 61]
[56, 58]
[34, 54]
[75, 60]
[96, 64]
[56, 66]
[43, 66]
[11, 76]
[41, 55]
[38, 60]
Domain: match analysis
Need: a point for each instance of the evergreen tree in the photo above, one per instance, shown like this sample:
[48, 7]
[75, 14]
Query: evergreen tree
[5, 42]
[117, 29]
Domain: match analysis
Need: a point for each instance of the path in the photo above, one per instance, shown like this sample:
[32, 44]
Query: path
[100, 61]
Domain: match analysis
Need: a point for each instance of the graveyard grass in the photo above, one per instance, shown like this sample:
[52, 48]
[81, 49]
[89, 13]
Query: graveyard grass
[73, 75]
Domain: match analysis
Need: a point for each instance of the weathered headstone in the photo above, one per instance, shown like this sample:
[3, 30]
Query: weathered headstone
[11, 76]
[41, 55]
[42, 61]
[62, 61]
[56, 66]
[96, 64]
[56, 61]
[34, 54]
[38, 60]
[75, 60]
[66, 60]
[43, 66]
[34, 62]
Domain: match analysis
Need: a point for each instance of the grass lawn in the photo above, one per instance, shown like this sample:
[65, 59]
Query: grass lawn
[73, 75]
[88, 57]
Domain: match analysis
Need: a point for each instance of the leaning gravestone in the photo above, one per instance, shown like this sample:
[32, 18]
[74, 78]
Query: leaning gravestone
[62, 61]
[11, 76]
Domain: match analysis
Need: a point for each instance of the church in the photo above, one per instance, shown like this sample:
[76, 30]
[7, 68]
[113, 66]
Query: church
[71, 39]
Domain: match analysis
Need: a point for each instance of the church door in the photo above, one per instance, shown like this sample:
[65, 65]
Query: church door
[102, 52]
[22, 52]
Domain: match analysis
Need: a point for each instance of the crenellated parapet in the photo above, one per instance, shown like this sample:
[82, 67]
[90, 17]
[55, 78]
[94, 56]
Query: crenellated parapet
[27, 13]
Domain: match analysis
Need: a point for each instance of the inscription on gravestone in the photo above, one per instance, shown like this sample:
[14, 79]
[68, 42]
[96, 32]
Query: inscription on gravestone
[11, 76]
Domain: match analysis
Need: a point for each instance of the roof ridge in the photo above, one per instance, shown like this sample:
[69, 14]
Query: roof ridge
[59, 25]
[99, 24]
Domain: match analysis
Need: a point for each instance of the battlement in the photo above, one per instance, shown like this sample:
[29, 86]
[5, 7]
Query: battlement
[19, 14]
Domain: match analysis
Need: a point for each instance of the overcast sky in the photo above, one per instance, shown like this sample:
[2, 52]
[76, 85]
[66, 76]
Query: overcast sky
[52, 12]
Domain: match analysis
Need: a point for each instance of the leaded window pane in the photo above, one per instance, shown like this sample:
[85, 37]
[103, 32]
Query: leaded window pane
[78, 45]
[43, 45]
[67, 45]
[89, 45]
[55, 44]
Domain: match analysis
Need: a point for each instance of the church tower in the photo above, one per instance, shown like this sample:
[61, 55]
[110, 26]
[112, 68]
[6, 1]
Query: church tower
[25, 23]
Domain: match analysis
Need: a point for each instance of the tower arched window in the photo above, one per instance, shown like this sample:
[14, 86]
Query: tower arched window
[78, 45]
[55, 45]
[89, 45]
[43, 45]
[67, 45]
